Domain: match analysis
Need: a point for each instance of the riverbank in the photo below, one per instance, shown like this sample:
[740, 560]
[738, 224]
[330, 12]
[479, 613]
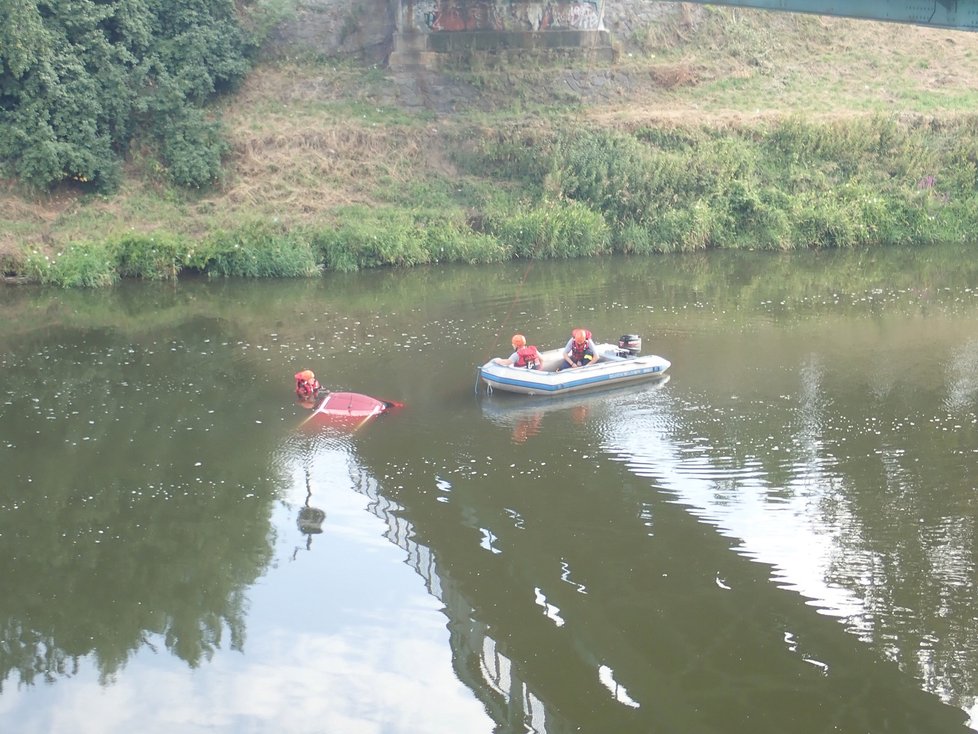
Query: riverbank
[716, 129]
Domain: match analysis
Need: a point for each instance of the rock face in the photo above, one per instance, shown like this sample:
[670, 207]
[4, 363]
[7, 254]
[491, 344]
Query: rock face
[371, 30]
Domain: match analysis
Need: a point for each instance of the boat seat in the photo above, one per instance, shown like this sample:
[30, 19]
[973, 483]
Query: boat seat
[612, 355]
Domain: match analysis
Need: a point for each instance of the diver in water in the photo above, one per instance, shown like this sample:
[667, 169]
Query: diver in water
[306, 385]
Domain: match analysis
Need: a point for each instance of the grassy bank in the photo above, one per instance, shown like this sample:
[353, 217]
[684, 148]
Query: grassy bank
[720, 129]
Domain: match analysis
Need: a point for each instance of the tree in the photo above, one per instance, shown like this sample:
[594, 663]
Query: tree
[80, 80]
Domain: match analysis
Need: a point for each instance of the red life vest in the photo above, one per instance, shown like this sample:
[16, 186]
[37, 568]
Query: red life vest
[306, 388]
[579, 350]
[527, 356]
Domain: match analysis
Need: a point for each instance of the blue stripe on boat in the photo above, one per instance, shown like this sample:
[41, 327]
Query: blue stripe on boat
[543, 387]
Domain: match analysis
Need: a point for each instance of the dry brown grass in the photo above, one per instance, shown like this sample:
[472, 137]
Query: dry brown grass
[39, 210]
[670, 76]
[291, 86]
[32, 218]
[298, 148]
[311, 170]
[762, 66]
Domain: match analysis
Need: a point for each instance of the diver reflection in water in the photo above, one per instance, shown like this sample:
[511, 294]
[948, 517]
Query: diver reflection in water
[529, 426]
[310, 519]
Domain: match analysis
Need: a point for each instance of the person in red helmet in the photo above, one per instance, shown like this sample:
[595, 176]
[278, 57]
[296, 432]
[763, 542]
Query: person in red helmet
[524, 355]
[306, 385]
[579, 350]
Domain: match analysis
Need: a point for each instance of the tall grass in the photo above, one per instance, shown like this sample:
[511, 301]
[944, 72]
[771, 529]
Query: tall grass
[149, 256]
[376, 237]
[551, 230]
[582, 192]
[794, 185]
[80, 265]
[257, 250]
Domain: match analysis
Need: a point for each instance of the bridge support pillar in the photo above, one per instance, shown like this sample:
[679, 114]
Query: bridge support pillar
[428, 32]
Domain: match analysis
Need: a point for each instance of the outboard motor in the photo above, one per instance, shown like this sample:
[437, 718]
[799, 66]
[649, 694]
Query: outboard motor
[630, 343]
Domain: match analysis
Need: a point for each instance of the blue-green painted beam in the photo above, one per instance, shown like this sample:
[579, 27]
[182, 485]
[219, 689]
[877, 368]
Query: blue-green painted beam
[958, 14]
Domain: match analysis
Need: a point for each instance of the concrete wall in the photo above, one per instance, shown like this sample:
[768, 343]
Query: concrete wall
[361, 29]
[436, 16]
[365, 29]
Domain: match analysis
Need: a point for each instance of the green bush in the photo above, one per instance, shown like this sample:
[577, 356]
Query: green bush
[617, 175]
[826, 222]
[80, 78]
[192, 148]
[633, 238]
[516, 155]
[758, 219]
[367, 238]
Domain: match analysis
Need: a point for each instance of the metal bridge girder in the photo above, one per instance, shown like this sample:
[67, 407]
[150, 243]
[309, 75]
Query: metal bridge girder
[956, 14]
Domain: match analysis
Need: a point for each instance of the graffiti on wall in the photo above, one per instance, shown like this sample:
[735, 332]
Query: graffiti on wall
[500, 15]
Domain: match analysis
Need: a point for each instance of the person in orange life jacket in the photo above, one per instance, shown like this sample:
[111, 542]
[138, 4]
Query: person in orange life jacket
[306, 384]
[579, 350]
[524, 356]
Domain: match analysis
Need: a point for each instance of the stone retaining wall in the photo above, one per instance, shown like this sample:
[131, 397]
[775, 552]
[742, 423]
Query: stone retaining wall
[365, 29]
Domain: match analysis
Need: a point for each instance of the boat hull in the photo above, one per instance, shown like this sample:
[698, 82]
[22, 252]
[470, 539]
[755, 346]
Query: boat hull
[349, 407]
[614, 368]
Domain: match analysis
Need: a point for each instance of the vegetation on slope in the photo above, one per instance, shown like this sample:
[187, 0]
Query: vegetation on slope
[718, 128]
[80, 82]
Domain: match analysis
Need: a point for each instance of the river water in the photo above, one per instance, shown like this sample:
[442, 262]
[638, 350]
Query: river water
[781, 536]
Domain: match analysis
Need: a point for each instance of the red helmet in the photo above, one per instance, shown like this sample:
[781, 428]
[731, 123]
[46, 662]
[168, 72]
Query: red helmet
[305, 375]
[519, 340]
[580, 335]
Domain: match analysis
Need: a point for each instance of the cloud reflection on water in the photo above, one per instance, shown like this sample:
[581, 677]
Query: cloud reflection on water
[325, 650]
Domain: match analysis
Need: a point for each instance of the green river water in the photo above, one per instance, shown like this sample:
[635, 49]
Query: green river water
[780, 537]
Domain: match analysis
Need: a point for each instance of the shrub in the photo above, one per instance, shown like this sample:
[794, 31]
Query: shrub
[616, 175]
[516, 155]
[758, 219]
[79, 78]
[825, 222]
[391, 237]
[634, 239]
[192, 148]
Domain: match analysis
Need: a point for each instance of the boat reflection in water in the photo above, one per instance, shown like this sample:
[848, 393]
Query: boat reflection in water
[525, 414]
